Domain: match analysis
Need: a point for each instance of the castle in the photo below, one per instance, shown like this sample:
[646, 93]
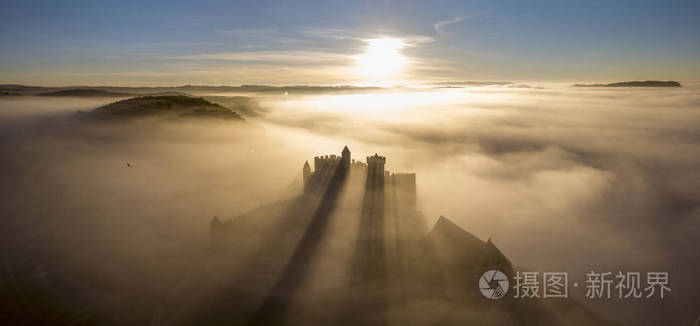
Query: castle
[400, 186]
[383, 201]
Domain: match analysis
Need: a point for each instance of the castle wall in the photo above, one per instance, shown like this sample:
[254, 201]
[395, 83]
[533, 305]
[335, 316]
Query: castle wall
[404, 185]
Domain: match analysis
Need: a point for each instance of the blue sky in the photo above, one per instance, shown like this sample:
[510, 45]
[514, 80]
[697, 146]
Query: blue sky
[305, 42]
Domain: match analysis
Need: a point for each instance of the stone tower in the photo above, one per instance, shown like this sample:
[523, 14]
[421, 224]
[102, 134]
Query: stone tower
[374, 187]
[345, 158]
[375, 172]
[306, 173]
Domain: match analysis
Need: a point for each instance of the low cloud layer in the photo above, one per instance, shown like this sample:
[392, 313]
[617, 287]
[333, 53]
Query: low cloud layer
[560, 179]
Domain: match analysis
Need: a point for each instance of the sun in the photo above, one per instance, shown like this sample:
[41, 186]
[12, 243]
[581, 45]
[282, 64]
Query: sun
[382, 58]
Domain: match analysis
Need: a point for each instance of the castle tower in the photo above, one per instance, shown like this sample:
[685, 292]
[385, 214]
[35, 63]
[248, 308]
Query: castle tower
[375, 171]
[370, 264]
[306, 173]
[345, 158]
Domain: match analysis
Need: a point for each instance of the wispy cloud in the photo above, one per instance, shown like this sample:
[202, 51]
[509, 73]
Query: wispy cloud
[440, 26]
[305, 50]
[286, 57]
[293, 55]
[340, 39]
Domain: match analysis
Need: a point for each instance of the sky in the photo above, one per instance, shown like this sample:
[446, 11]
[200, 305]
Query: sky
[327, 42]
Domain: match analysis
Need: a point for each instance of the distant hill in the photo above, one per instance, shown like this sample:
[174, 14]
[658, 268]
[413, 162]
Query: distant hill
[647, 83]
[21, 88]
[169, 106]
[185, 89]
[5, 93]
[85, 92]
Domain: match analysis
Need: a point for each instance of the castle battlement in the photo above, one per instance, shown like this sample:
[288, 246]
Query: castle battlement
[327, 158]
[358, 165]
[376, 159]
[401, 185]
[325, 162]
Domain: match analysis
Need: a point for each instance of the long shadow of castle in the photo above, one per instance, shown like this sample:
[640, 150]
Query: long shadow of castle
[385, 214]
[388, 217]
[352, 249]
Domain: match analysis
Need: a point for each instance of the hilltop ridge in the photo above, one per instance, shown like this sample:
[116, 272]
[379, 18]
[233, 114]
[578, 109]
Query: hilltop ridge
[172, 106]
[636, 83]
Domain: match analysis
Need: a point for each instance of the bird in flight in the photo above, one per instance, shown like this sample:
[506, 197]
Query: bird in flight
[128, 164]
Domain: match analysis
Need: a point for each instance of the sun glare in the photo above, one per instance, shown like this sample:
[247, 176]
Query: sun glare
[382, 59]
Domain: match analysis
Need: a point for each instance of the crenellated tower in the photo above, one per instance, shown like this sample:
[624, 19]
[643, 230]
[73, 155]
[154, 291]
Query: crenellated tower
[373, 205]
[375, 170]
